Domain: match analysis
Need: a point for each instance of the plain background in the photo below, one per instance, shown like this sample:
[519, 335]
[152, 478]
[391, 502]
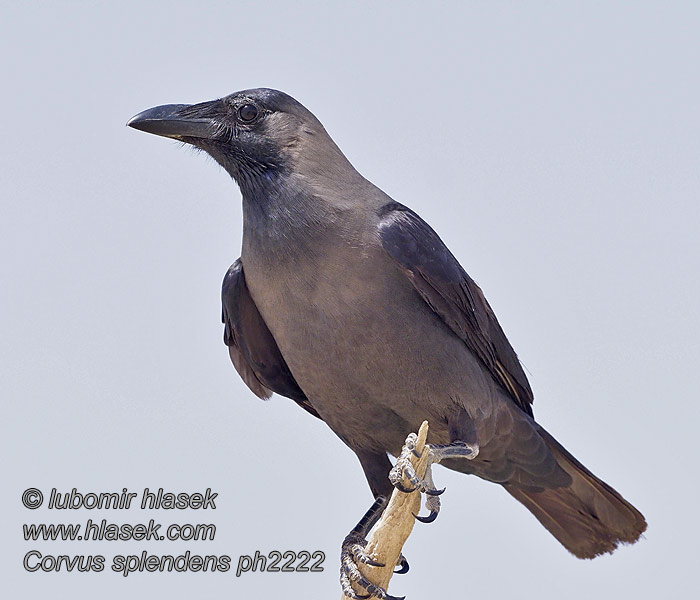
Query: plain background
[554, 146]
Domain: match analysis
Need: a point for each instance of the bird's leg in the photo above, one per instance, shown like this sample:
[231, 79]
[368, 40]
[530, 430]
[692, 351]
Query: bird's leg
[353, 552]
[437, 453]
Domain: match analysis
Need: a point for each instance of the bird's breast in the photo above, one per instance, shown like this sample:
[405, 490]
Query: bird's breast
[357, 337]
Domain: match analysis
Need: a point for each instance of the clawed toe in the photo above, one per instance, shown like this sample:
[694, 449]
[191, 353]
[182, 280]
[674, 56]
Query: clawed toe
[403, 566]
[350, 573]
[353, 549]
[429, 519]
[402, 488]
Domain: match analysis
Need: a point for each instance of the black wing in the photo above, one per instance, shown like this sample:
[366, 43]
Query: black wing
[251, 346]
[453, 295]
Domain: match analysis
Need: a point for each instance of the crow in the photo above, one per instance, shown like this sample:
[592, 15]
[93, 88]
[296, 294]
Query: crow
[350, 304]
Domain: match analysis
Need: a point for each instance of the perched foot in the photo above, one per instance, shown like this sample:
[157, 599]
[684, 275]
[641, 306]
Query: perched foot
[436, 453]
[404, 467]
[353, 552]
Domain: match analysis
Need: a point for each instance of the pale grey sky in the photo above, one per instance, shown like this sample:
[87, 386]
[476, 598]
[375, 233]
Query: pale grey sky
[554, 146]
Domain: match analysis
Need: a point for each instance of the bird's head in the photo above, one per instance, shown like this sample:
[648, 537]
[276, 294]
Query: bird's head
[254, 134]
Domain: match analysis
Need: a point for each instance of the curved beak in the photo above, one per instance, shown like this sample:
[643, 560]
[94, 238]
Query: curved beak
[174, 121]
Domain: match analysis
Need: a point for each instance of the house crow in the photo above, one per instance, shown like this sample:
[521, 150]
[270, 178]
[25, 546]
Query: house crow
[348, 303]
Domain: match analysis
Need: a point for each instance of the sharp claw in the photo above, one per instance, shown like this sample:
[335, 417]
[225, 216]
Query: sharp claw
[429, 519]
[373, 563]
[416, 453]
[435, 492]
[404, 567]
[402, 488]
[388, 597]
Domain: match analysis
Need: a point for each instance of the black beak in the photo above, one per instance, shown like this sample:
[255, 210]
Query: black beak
[168, 120]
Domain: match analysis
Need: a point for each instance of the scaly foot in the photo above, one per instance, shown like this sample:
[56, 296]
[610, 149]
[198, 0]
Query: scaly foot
[436, 453]
[353, 552]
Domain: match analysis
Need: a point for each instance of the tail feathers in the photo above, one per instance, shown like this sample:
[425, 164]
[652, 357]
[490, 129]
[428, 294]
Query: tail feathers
[588, 516]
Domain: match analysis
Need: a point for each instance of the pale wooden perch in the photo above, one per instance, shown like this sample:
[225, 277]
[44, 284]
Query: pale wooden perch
[391, 532]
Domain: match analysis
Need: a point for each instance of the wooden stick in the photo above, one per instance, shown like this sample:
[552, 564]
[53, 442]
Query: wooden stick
[391, 532]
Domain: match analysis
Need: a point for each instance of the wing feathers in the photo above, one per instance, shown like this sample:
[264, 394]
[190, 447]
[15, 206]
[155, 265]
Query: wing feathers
[253, 350]
[453, 295]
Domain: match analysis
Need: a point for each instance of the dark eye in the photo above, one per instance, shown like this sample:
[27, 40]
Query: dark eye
[247, 113]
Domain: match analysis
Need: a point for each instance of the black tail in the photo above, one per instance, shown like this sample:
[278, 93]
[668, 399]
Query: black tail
[588, 517]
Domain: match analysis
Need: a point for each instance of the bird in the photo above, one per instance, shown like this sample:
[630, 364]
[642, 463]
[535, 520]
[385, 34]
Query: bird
[349, 303]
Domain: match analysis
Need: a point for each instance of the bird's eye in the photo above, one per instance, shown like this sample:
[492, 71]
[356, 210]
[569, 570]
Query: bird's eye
[247, 113]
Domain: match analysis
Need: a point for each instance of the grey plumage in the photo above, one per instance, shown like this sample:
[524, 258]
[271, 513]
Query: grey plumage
[350, 304]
